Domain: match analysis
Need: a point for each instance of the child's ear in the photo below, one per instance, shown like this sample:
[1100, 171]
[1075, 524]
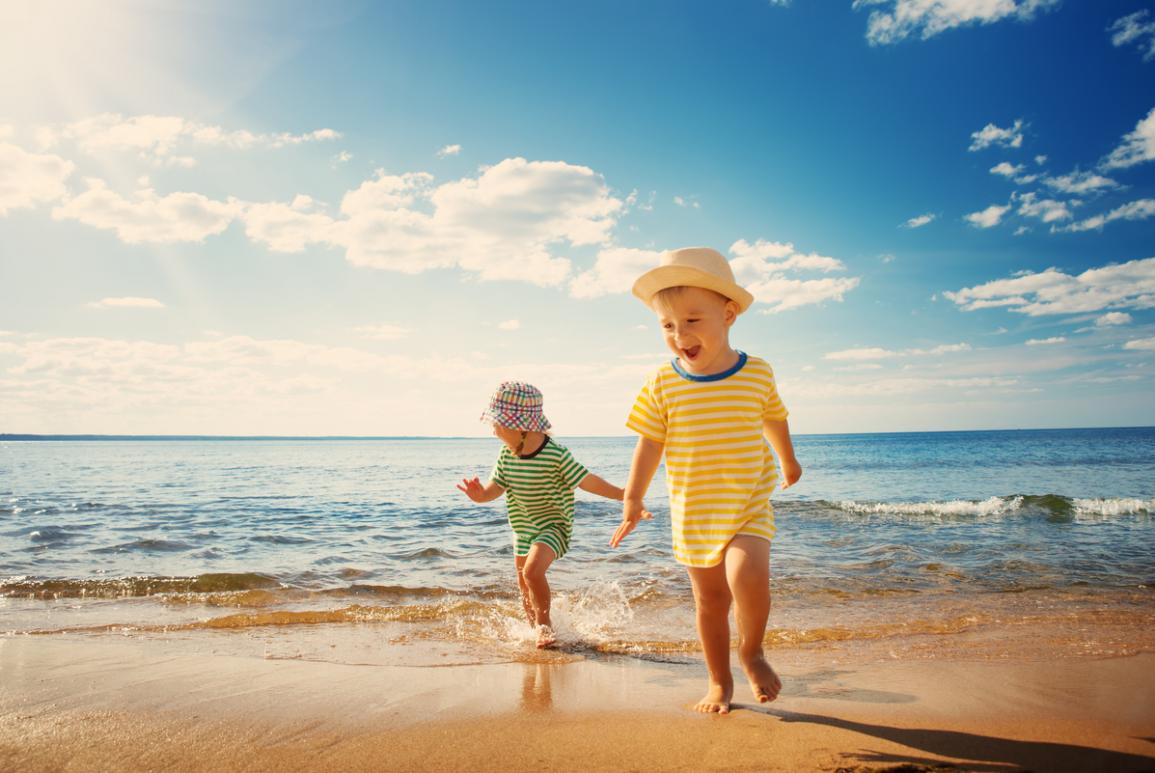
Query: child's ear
[730, 312]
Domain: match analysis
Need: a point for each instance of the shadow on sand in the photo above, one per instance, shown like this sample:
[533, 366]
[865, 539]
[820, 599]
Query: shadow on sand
[983, 752]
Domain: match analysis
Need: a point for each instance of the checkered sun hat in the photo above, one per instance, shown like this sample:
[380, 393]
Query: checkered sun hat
[517, 405]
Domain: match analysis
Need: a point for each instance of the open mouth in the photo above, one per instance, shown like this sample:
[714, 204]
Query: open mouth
[692, 353]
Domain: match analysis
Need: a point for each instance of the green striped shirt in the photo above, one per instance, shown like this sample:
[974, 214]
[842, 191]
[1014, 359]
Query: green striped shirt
[539, 494]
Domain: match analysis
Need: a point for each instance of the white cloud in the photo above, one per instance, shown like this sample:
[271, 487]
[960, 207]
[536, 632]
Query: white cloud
[156, 137]
[286, 227]
[177, 217]
[1140, 209]
[343, 157]
[1040, 160]
[927, 18]
[382, 332]
[1113, 318]
[509, 324]
[1128, 285]
[127, 303]
[989, 217]
[1080, 182]
[1135, 28]
[614, 271]
[449, 150]
[1137, 146]
[991, 135]
[878, 353]
[28, 179]
[684, 202]
[1046, 341]
[1142, 344]
[504, 224]
[760, 268]
[1047, 210]
[1007, 169]
[920, 220]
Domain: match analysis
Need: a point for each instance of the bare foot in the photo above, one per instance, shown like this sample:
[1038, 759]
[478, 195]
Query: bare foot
[717, 699]
[764, 683]
[545, 637]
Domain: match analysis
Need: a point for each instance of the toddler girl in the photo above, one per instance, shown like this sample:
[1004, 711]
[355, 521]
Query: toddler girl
[538, 476]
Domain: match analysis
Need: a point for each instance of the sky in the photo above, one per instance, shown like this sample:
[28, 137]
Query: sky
[357, 218]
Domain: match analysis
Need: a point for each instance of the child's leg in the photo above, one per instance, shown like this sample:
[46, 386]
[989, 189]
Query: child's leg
[533, 573]
[747, 565]
[526, 600]
[712, 604]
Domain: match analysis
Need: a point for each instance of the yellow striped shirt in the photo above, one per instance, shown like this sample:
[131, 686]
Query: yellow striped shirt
[719, 467]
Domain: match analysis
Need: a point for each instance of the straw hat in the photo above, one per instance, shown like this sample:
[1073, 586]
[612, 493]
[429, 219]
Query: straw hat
[693, 267]
[517, 405]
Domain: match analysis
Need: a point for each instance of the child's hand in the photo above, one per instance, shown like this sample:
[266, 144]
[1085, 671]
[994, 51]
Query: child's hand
[632, 512]
[473, 489]
[791, 472]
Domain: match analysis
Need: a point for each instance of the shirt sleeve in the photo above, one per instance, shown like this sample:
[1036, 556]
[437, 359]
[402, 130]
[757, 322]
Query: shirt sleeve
[648, 417]
[570, 470]
[773, 410]
[498, 474]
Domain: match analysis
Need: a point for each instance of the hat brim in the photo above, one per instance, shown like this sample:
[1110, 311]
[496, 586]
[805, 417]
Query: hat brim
[655, 280]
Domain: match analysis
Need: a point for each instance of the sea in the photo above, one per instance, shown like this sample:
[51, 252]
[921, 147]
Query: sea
[985, 545]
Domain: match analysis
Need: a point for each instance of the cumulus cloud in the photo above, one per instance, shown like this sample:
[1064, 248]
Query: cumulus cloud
[449, 150]
[1128, 285]
[685, 203]
[920, 220]
[761, 268]
[1142, 344]
[1007, 169]
[505, 223]
[994, 136]
[901, 19]
[1047, 210]
[1140, 209]
[1135, 28]
[28, 179]
[1113, 318]
[614, 271]
[177, 217]
[989, 217]
[1046, 341]
[878, 353]
[127, 303]
[156, 138]
[1137, 146]
[1080, 183]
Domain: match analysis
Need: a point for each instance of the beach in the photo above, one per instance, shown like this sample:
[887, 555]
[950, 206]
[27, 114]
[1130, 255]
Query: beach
[135, 705]
[979, 600]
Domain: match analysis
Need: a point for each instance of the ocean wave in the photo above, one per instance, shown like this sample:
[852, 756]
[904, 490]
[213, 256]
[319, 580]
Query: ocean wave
[1053, 507]
[128, 587]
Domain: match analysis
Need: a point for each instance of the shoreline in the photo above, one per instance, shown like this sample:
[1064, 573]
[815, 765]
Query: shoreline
[121, 704]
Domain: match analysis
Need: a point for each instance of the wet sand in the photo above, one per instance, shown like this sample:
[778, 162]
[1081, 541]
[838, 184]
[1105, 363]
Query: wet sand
[103, 703]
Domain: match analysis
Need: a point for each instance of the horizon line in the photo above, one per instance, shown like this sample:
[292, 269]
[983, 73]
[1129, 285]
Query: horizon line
[49, 437]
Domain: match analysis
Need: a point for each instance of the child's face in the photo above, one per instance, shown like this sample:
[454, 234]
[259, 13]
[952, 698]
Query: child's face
[696, 325]
[511, 437]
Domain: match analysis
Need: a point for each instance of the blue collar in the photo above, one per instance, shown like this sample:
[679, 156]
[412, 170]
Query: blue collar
[713, 376]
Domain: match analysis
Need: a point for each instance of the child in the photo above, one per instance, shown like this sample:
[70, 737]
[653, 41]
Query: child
[539, 476]
[712, 409]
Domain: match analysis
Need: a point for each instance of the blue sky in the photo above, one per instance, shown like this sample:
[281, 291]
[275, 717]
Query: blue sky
[358, 218]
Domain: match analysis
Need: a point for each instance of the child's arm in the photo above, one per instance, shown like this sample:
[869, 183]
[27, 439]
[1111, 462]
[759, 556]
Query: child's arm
[647, 456]
[479, 493]
[778, 433]
[595, 485]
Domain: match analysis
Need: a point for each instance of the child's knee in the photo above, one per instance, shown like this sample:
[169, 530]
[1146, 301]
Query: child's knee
[713, 599]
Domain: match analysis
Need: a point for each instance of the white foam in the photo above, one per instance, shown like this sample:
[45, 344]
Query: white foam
[1107, 507]
[995, 506]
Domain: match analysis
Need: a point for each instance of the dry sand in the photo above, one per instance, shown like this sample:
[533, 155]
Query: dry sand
[132, 704]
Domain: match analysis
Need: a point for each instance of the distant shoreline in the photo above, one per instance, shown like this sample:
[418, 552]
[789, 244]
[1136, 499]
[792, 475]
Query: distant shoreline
[25, 437]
